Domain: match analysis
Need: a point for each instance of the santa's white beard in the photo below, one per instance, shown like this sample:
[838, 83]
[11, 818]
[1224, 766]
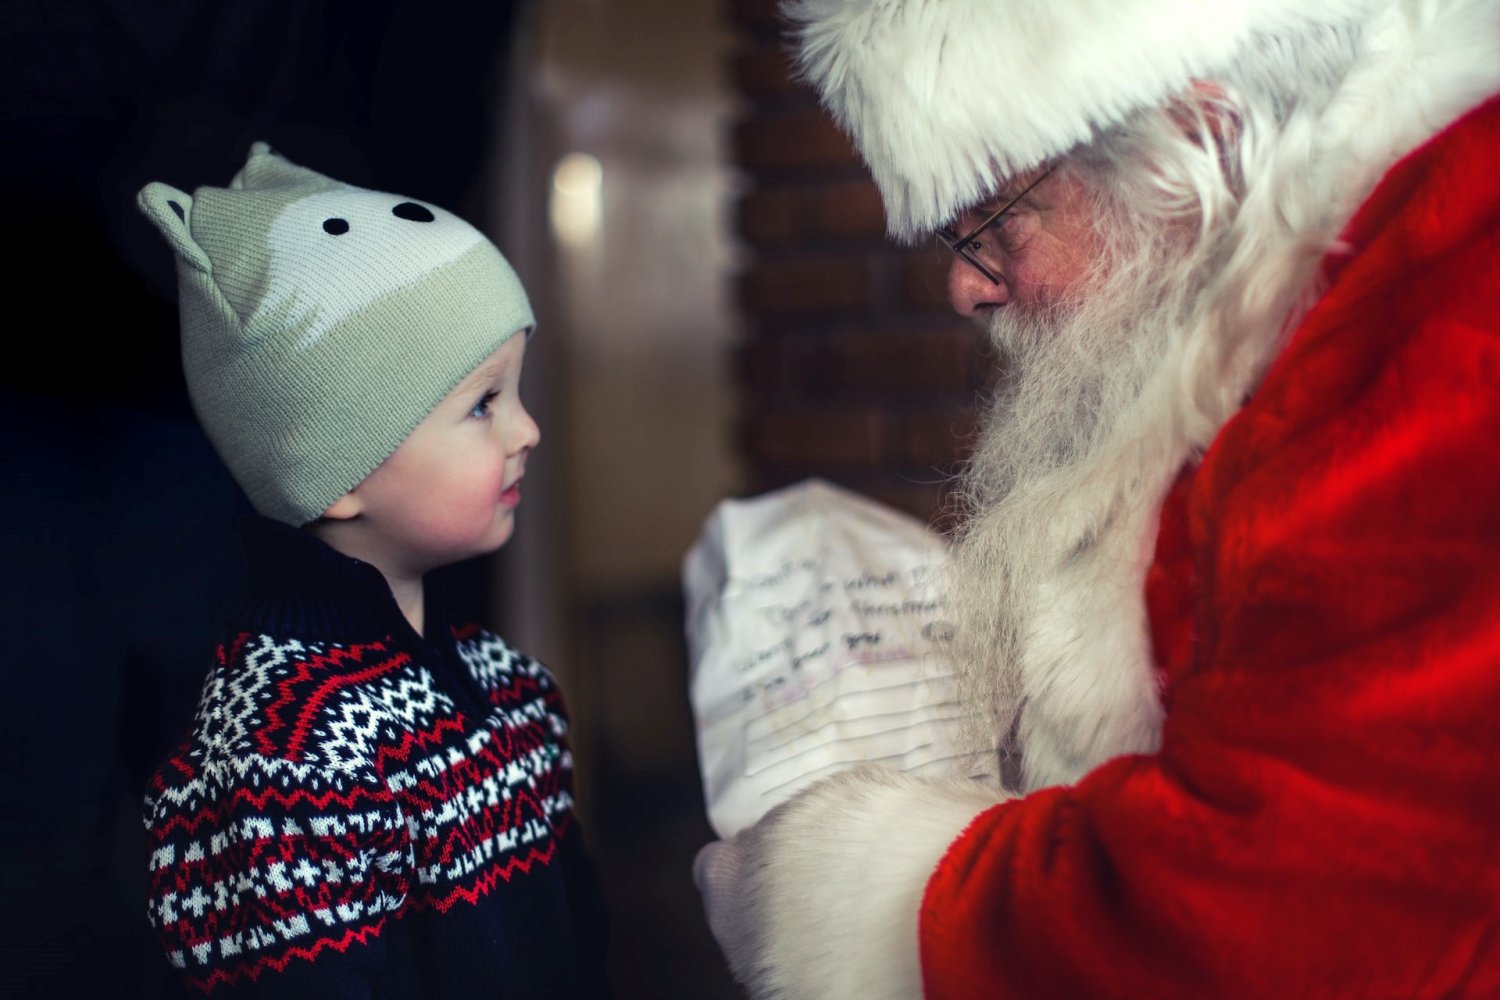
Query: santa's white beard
[1062, 495]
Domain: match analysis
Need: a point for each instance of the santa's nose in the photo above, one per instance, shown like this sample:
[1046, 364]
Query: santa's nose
[970, 292]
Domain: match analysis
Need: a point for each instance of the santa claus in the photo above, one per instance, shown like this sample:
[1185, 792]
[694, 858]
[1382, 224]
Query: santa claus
[1230, 571]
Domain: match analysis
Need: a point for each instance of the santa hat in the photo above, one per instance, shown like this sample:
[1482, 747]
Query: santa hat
[945, 98]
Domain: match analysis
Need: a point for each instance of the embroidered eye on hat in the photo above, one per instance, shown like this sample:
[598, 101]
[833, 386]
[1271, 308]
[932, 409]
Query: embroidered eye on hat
[321, 322]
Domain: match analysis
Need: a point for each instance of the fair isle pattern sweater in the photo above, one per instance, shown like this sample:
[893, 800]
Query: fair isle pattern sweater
[359, 811]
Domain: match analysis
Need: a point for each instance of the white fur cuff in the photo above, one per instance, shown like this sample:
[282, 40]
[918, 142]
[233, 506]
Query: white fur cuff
[833, 882]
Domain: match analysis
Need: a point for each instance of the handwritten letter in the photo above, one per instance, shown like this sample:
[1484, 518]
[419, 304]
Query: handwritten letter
[817, 629]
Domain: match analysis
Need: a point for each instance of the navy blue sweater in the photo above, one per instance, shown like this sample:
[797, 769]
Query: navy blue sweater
[363, 812]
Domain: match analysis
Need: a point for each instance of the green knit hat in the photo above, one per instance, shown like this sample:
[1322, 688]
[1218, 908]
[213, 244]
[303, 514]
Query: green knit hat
[321, 322]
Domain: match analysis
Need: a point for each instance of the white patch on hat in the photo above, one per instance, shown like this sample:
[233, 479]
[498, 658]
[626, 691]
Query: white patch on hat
[334, 253]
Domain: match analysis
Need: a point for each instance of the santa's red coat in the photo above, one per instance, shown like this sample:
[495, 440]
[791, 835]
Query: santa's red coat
[1323, 817]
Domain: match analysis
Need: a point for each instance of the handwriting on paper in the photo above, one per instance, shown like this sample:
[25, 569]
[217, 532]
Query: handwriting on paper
[820, 634]
[898, 617]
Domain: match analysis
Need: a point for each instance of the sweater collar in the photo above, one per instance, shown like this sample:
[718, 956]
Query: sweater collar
[299, 585]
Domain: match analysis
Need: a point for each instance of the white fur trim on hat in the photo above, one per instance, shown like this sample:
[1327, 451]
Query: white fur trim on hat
[945, 98]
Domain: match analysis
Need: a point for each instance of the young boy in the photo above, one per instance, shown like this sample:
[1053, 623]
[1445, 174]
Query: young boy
[373, 801]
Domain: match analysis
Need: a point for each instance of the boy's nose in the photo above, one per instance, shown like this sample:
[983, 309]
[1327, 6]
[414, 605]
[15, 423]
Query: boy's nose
[530, 433]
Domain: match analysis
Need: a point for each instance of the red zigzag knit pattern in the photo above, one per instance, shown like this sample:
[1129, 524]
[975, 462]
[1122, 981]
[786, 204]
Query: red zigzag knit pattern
[329, 787]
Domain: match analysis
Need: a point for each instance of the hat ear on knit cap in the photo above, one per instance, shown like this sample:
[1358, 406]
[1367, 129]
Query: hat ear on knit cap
[946, 99]
[321, 322]
[168, 209]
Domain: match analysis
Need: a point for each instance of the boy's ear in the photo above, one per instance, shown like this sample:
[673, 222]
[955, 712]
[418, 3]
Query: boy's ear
[342, 509]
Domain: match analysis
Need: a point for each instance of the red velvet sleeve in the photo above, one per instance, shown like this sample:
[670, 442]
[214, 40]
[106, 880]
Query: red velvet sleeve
[1323, 818]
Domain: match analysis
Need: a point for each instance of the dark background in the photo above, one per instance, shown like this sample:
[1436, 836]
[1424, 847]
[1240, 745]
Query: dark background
[117, 520]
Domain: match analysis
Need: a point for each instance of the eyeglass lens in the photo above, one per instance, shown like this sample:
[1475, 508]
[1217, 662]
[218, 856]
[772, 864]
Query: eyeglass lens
[968, 246]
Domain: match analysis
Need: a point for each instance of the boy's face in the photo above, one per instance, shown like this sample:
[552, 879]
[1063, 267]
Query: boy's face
[451, 489]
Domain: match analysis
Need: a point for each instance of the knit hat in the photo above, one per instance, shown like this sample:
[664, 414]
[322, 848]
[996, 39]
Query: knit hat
[321, 322]
[947, 98]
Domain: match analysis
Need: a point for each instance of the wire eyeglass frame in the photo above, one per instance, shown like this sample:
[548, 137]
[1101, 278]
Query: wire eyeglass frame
[966, 245]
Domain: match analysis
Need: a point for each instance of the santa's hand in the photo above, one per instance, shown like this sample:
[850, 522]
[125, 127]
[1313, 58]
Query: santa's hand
[820, 899]
[719, 871]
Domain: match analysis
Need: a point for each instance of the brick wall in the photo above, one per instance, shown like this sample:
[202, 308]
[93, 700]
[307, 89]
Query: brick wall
[852, 366]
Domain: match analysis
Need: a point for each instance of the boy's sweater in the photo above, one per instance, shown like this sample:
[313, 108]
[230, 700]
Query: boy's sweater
[359, 811]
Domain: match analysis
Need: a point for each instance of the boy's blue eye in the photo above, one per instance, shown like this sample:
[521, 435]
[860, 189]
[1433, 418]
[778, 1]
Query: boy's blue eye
[482, 408]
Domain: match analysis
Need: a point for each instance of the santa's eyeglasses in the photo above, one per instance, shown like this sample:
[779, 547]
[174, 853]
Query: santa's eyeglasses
[972, 248]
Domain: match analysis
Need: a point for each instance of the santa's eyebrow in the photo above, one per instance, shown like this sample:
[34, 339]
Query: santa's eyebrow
[1015, 192]
[1000, 207]
[999, 196]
